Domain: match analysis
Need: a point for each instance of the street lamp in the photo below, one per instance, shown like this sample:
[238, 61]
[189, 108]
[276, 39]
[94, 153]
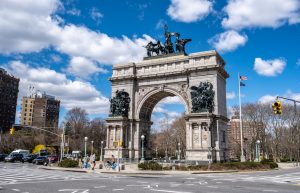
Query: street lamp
[143, 138]
[85, 140]
[92, 147]
[179, 151]
[101, 158]
[257, 150]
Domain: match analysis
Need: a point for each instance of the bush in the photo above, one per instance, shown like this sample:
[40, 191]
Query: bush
[68, 163]
[150, 166]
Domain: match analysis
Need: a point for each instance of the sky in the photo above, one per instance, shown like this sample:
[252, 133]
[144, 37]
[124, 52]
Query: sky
[67, 48]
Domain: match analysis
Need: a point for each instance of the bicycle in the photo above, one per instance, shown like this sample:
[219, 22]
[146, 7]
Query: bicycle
[108, 165]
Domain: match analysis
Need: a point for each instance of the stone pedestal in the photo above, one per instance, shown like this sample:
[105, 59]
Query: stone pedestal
[117, 130]
[203, 135]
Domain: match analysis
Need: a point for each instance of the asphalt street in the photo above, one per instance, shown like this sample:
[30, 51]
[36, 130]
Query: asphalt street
[27, 178]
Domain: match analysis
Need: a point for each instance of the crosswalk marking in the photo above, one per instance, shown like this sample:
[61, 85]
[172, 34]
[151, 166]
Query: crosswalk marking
[25, 173]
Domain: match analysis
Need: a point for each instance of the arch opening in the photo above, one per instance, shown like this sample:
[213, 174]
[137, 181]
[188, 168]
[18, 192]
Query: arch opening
[149, 102]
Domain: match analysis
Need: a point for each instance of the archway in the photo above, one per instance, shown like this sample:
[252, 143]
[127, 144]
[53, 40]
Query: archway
[199, 80]
[146, 110]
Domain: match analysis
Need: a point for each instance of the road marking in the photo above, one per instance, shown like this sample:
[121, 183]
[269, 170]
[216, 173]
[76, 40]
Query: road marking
[219, 182]
[17, 190]
[169, 191]
[118, 189]
[212, 186]
[99, 186]
[75, 190]
[137, 185]
[270, 191]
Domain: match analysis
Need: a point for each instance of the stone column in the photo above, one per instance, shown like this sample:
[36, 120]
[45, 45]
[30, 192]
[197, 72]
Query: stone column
[200, 134]
[115, 132]
[191, 135]
[107, 136]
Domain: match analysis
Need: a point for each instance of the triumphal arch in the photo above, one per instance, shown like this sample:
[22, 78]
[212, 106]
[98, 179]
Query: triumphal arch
[198, 79]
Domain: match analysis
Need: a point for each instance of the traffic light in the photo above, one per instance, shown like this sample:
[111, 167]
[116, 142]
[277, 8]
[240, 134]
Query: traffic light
[277, 108]
[12, 131]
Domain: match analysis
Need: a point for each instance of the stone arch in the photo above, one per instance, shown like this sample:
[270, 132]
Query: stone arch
[147, 104]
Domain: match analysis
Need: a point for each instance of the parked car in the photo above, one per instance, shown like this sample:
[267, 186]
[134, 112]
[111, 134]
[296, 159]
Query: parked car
[2, 157]
[13, 157]
[41, 160]
[29, 158]
[53, 158]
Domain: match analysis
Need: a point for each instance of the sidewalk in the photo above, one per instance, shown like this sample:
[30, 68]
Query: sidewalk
[132, 171]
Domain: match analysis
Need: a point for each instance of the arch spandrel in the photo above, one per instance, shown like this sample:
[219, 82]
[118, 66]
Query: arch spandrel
[146, 105]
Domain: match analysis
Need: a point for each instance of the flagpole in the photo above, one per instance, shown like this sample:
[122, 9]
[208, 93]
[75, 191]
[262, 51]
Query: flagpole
[241, 122]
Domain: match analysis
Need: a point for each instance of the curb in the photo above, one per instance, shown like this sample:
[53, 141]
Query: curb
[128, 173]
[216, 172]
[63, 169]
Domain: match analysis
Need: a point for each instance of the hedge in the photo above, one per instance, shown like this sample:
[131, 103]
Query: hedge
[150, 166]
[68, 163]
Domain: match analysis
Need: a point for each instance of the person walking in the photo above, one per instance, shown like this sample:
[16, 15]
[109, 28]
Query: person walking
[93, 161]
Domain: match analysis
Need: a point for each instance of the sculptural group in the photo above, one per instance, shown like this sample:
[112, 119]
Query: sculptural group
[202, 98]
[168, 47]
[119, 105]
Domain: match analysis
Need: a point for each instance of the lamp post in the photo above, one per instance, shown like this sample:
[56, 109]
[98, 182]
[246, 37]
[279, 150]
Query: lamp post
[143, 138]
[101, 157]
[92, 147]
[257, 150]
[179, 151]
[85, 140]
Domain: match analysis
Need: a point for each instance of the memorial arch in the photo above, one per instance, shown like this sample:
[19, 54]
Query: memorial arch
[198, 79]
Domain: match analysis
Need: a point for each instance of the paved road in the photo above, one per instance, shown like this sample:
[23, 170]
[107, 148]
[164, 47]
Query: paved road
[26, 178]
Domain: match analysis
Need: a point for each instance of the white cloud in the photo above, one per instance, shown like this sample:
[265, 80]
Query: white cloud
[70, 93]
[29, 26]
[292, 95]
[261, 13]
[81, 41]
[298, 62]
[228, 41]
[171, 100]
[230, 95]
[267, 99]
[160, 24]
[96, 15]
[269, 67]
[74, 11]
[189, 10]
[83, 67]
[26, 26]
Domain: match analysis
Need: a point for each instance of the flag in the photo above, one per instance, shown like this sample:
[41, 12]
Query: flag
[242, 84]
[243, 78]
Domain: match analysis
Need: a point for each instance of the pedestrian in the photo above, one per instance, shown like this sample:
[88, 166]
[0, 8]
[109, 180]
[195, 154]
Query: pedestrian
[93, 161]
[113, 162]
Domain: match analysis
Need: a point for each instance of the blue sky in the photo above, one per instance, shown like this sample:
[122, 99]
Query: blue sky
[67, 48]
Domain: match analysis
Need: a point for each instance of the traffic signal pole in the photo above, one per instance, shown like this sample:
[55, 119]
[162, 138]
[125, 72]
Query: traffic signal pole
[297, 123]
[44, 129]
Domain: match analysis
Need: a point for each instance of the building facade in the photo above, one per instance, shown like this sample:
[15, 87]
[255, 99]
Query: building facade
[9, 89]
[41, 110]
[234, 133]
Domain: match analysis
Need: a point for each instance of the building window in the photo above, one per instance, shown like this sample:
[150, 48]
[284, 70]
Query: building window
[223, 136]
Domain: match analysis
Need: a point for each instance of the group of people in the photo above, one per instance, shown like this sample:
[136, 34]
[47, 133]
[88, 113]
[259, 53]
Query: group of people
[88, 162]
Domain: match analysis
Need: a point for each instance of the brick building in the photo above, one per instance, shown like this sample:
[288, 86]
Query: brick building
[234, 135]
[9, 89]
[41, 110]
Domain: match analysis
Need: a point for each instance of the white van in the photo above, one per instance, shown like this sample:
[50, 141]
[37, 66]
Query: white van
[21, 151]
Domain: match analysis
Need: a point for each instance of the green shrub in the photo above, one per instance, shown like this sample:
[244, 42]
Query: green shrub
[68, 163]
[150, 166]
